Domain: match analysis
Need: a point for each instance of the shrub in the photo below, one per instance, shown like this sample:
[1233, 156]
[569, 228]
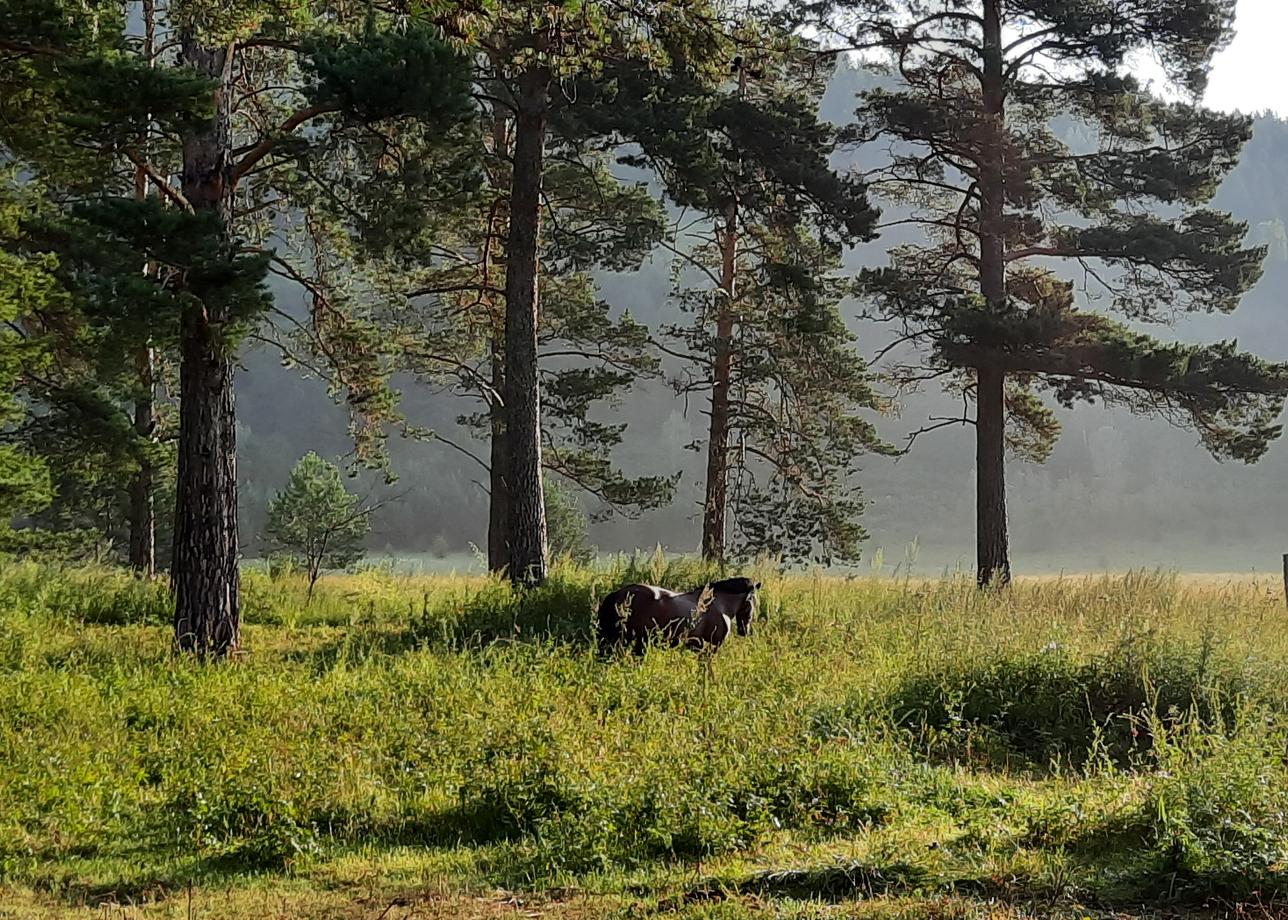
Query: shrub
[244, 819]
[1049, 706]
[567, 526]
[1217, 811]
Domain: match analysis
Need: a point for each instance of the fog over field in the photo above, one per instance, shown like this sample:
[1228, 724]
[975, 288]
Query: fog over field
[1119, 491]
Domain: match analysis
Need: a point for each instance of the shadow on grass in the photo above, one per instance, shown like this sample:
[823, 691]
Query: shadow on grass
[146, 874]
[1229, 893]
[844, 882]
[1034, 710]
[172, 880]
[556, 614]
[832, 884]
[559, 612]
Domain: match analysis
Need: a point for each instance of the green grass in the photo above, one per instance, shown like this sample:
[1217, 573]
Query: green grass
[435, 744]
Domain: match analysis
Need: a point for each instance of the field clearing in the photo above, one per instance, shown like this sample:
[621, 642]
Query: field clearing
[432, 746]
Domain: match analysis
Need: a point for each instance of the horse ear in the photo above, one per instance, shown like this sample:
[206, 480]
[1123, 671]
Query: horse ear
[757, 586]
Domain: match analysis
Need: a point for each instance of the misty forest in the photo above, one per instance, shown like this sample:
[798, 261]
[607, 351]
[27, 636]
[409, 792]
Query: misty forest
[694, 458]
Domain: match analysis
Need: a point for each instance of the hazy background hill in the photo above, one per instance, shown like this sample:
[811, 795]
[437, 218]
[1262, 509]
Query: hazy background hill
[1119, 491]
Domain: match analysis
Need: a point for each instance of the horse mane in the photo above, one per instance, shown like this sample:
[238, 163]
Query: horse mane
[732, 586]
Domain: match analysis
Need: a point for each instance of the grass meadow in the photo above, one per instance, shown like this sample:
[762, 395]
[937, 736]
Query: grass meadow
[434, 746]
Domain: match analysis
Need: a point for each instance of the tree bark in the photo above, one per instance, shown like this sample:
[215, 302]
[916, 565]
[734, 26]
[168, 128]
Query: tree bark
[522, 388]
[716, 502]
[204, 573]
[143, 530]
[142, 518]
[991, 544]
[498, 527]
[993, 563]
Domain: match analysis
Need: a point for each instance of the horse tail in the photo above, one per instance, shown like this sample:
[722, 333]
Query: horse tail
[608, 626]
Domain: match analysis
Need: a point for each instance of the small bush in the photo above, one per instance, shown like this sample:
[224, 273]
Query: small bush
[1217, 812]
[1046, 707]
[243, 820]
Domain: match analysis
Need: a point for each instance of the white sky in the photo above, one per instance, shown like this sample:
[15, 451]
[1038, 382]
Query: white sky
[1252, 74]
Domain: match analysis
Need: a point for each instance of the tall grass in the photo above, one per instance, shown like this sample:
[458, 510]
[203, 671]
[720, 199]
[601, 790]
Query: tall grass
[1113, 738]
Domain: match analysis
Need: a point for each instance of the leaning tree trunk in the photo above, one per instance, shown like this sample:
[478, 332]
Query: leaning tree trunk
[716, 503]
[992, 552]
[522, 388]
[204, 575]
[498, 525]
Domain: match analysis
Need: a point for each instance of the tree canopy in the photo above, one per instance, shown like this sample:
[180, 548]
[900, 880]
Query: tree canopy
[315, 521]
[976, 165]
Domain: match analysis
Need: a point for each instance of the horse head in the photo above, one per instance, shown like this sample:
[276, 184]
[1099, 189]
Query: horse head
[746, 610]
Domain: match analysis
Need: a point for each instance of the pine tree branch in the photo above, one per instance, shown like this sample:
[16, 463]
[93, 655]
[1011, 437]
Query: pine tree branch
[791, 473]
[465, 371]
[1032, 36]
[939, 423]
[956, 226]
[160, 181]
[455, 289]
[691, 260]
[29, 50]
[683, 356]
[284, 130]
[456, 447]
[266, 42]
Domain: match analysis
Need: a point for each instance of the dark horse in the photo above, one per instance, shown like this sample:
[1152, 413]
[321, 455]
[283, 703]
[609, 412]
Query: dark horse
[702, 617]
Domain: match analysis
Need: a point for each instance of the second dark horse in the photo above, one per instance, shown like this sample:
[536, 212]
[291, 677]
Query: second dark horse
[702, 617]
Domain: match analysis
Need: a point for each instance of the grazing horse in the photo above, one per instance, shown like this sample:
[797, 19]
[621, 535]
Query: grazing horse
[700, 618]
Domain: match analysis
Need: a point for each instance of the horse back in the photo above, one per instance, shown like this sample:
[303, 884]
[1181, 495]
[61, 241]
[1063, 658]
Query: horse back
[653, 609]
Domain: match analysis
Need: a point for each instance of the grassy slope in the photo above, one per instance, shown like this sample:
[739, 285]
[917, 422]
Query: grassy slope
[431, 746]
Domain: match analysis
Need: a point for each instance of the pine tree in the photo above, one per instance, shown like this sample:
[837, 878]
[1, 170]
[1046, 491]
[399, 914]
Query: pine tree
[51, 359]
[146, 418]
[352, 78]
[316, 522]
[533, 50]
[26, 284]
[765, 218]
[1002, 201]
[450, 266]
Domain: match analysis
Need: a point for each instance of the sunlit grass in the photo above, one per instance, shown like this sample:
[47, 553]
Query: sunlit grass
[880, 747]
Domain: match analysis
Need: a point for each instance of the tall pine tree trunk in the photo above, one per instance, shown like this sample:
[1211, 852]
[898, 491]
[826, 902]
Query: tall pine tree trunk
[522, 387]
[143, 529]
[142, 516]
[717, 496]
[498, 525]
[992, 553]
[716, 502]
[204, 575]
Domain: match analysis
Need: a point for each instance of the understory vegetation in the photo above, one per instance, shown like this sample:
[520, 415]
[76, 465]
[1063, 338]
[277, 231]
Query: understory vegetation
[435, 746]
